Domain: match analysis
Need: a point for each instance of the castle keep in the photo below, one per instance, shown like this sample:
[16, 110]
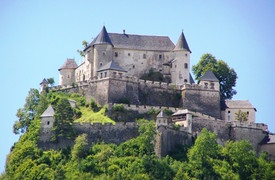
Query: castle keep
[112, 72]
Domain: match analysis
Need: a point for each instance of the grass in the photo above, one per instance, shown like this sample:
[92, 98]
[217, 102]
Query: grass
[94, 117]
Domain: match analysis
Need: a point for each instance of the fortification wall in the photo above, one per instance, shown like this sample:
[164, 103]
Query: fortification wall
[198, 98]
[167, 139]
[117, 89]
[253, 132]
[97, 132]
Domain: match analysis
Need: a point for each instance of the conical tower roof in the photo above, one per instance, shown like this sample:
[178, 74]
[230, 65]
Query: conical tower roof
[102, 38]
[49, 112]
[209, 76]
[162, 114]
[44, 81]
[182, 44]
[69, 64]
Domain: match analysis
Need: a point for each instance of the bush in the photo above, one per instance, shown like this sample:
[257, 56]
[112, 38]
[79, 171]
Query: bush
[118, 108]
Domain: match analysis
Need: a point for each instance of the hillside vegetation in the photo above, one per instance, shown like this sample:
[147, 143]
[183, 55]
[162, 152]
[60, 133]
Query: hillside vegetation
[133, 159]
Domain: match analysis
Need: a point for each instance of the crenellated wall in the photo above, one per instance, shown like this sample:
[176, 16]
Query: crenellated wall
[201, 99]
[117, 88]
[97, 132]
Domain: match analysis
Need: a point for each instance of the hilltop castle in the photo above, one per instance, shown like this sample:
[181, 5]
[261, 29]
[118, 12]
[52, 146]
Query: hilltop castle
[112, 72]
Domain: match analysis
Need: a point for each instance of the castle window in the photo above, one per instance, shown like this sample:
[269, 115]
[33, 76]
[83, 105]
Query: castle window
[68, 76]
[186, 55]
[205, 85]
[105, 74]
[101, 75]
[228, 112]
[211, 85]
[116, 54]
[185, 65]
[104, 53]
[144, 56]
[129, 54]
[133, 66]
[175, 66]
[160, 56]
[100, 64]
[48, 122]
[247, 112]
[185, 80]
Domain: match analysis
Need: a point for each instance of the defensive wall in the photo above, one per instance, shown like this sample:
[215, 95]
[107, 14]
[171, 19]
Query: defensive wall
[206, 100]
[118, 89]
[97, 132]
[256, 133]
[167, 138]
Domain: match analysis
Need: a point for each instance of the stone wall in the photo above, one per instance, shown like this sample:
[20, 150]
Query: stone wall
[167, 139]
[255, 134]
[116, 89]
[97, 132]
[200, 99]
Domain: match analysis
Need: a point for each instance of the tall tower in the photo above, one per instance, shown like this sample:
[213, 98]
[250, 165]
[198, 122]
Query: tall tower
[67, 72]
[103, 50]
[181, 64]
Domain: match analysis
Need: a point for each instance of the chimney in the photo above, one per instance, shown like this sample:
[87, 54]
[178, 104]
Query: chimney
[123, 31]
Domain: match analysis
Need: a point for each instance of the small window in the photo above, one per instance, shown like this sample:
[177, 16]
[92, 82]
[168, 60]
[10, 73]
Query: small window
[212, 85]
[133, 66]
[144, 56]
[48, 122]
[185, 65]
[247, 112]
[105, 74]
[228, 112]
[101, 75]
[100, 64]
[185, 80]
[206, 85]
[68, 76]
[129, 54]
[116, 54]
[175, 66]
[160, 56]
[186, 55]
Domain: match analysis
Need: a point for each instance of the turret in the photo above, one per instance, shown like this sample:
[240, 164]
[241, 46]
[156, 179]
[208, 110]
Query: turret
[210, 81]
[103, 50]
[181, 64]
[43, 85]
[67, 72]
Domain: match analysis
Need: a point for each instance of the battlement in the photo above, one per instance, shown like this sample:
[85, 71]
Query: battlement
[249, 125]
[142, 108]
[194, 86]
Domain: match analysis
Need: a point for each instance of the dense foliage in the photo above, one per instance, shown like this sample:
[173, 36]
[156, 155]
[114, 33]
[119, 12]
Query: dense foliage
[226, 75]
[133, 159]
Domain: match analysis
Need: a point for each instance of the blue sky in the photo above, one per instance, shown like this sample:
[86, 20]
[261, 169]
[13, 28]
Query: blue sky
[36, 37]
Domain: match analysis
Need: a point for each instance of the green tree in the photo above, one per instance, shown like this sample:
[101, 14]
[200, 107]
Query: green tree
[81, 52]
[80, 148]
[241, 157]
[42, 105]
[226, 75]
[241, 116]
[202, 154]
[51, 81]
[27, 113]
[63, 118]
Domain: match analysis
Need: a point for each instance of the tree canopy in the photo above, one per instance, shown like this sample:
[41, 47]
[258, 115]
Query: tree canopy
[226, 75]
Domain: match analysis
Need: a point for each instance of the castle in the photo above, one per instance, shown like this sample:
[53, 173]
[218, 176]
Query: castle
[111, 73]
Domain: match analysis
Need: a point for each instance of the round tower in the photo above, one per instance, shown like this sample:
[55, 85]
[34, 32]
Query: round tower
[103, 50]
[67, 72]
[181, 63]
